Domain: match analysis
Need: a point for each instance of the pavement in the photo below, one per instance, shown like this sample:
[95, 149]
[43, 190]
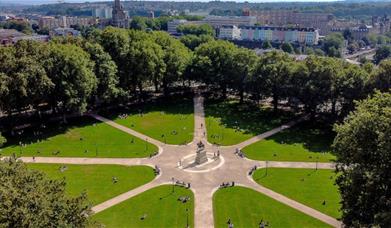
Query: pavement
[203, 184]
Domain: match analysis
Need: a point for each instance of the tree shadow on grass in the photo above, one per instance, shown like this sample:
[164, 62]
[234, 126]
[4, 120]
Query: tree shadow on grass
[314, 136]
[176, 105]
[246, 117]
[42, 132]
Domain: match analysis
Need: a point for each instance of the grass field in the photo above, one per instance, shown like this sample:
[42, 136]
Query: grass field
[81, 137]
[303, 142]
[169, 121]
[308, 186]
[230, 122]
[247, 208]
[160, 205]
[97, 180]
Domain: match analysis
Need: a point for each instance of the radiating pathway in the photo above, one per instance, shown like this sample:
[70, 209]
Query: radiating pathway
[202, 184]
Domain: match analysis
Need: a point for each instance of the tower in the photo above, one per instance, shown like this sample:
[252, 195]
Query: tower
[120, 19]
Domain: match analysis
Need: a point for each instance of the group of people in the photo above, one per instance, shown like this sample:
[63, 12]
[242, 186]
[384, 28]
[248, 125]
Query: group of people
[157, 170]
[123, 116]
[252, 170]
[228, 184]
[239, 153]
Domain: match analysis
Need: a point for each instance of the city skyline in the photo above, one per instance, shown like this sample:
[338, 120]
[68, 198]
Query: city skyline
[38, 2]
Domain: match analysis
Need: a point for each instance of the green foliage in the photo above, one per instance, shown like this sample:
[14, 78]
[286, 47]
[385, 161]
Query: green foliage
[287, 47]
[363, 148]
[382, 53]
[29, 198]
[21, 26]
[193, 41]
[273, 72]
[266, 45]
[71, 70]
[381, 79]
[332, 44]
[193, 29]
[2, 140]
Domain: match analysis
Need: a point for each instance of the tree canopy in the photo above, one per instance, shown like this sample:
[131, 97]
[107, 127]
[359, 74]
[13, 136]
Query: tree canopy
[363, 149]
[30, 199]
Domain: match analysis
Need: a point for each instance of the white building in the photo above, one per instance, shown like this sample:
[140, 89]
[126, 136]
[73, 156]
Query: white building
[229, 32]
[103, 13]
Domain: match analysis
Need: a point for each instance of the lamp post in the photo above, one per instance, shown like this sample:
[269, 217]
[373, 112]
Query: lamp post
[316, 163]
[173, 184]
[267, 162]
[187, 217]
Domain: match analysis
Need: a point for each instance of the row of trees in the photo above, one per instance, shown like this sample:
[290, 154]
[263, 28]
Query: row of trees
[115, 64]
[317, 83]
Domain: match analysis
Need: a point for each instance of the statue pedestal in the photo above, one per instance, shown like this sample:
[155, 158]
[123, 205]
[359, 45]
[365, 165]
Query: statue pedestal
[201, 157]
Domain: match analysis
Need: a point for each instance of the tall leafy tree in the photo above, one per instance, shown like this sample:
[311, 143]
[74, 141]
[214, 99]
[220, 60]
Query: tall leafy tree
[213, 63]
[243, 67]
[363, 149]
[273, 71]
[30, 199]
[381, 78]
[72, 72]
[176, 57]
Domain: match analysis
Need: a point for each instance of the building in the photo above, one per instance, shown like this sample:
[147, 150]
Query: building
[11, 36]
[308, 36]
[318, 21]
[63, 22]
[214, 21]
[120, 18]
[65, 32]
[103, 13]
[173, 25]
[218, 21]
[229, 32]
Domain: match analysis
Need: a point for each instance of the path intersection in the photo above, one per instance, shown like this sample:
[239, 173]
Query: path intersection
[204, 181]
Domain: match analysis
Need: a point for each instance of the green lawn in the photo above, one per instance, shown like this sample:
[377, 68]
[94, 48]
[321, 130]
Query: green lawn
[308, 186]
[170, 121]
[81, 137]
[97, 180]
[229, 122]
[160, 205]
[303, 142]
[246, 208]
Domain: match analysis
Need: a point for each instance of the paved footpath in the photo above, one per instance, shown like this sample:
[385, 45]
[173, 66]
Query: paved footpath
[203, 184]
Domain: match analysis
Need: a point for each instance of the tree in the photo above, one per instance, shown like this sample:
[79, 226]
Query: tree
[363, 150]
[243, 67]
[176, 58]
[332, 44]
[266, 45]
[105, 71]
[213, 64]
[382, 52]
[193, 41]
[72, 72]
[194, 29]
[273, 72]
[2, 140]
[381, 79]
[287, 47]
[30, 199]
[138, 23]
